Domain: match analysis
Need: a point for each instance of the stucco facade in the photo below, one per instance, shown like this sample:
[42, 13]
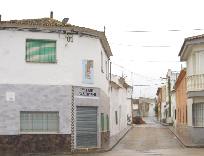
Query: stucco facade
[67, 70]
[120, 106]
[52, 87]
[192, 52]
[181, 98]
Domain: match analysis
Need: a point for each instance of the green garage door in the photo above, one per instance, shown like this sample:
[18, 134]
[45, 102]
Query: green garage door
[86, 127]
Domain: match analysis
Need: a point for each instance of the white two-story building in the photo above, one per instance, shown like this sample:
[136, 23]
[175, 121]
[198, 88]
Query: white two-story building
[54, 85]
[192, 52]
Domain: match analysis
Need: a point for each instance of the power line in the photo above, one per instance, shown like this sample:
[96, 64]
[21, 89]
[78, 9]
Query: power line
[168, 30]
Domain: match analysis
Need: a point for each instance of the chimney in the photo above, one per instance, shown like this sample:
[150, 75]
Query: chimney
[51, 14]
[0, 17]
[65, 20]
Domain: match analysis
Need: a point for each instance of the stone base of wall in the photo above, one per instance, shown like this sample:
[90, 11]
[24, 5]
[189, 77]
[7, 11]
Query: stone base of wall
[35, 143]
[105, 136]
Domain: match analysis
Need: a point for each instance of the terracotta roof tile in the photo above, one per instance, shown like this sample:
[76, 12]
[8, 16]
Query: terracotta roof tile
[45, 22]
[190, 39]
[194, 37]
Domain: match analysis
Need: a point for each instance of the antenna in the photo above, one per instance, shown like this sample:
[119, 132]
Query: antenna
[104, 29]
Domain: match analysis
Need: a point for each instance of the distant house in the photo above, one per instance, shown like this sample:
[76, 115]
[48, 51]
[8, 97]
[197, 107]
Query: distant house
[143, 107]
[163, 104]
[159, 102]
[181, 99]
[146, 107]
[54, 86]
[120, 105]
[135, 108]
[170, 108]
[192, 52]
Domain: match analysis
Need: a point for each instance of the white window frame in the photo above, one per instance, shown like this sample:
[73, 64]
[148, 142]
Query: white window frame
[198, 114]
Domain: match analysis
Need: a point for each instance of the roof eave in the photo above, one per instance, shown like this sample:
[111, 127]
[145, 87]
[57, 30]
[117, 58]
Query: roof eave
[100, 35]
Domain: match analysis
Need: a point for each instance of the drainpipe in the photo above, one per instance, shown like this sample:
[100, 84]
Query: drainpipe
[160, 106]
[110, 70]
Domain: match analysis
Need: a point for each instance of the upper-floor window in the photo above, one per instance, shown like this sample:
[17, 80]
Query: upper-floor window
[40, 51]
[88, 71]
[102, 62]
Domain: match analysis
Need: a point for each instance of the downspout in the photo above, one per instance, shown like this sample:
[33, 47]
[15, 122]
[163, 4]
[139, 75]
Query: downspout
[110, 69]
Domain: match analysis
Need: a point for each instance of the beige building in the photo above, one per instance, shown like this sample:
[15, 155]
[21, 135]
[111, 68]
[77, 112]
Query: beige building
[181, 98]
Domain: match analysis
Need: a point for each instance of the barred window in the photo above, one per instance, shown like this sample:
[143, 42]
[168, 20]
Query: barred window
[39, 121]
[198, 114]
[40, 51]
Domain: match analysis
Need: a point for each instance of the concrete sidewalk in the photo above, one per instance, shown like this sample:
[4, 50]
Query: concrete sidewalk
[184, 138]
[114, 140]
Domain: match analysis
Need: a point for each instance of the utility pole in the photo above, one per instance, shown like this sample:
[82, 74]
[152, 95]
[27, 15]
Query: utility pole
[169, 94]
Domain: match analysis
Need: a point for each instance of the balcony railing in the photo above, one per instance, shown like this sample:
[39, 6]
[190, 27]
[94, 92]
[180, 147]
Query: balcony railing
[195, 82]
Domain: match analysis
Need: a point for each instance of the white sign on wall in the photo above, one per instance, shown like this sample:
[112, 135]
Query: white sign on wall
[10, 96]
[87, 92]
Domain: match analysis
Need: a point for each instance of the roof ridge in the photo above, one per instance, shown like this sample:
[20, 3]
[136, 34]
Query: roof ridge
[194, 37]
[46, 21]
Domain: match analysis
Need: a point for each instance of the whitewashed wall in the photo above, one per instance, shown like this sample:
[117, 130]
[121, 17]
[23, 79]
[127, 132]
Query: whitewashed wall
[195, 61]
[173, 106]
[120, 103]
[67, 70]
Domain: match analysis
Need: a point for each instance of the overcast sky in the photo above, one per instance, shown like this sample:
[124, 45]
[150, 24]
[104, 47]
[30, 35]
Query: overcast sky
[145, 35]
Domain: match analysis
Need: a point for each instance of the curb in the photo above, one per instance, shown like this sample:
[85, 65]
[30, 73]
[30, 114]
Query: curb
[179, 140]
[119, 140]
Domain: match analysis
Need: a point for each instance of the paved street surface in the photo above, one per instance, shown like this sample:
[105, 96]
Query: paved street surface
[146, 140]
[150, 139]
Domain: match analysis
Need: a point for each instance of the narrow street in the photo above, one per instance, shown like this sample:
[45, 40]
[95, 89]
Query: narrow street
[150, 139]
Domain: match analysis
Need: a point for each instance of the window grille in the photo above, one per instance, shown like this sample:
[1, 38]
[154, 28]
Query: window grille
[198, 114]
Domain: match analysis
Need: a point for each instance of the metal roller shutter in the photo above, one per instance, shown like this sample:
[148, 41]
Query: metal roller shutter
[86, 127]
